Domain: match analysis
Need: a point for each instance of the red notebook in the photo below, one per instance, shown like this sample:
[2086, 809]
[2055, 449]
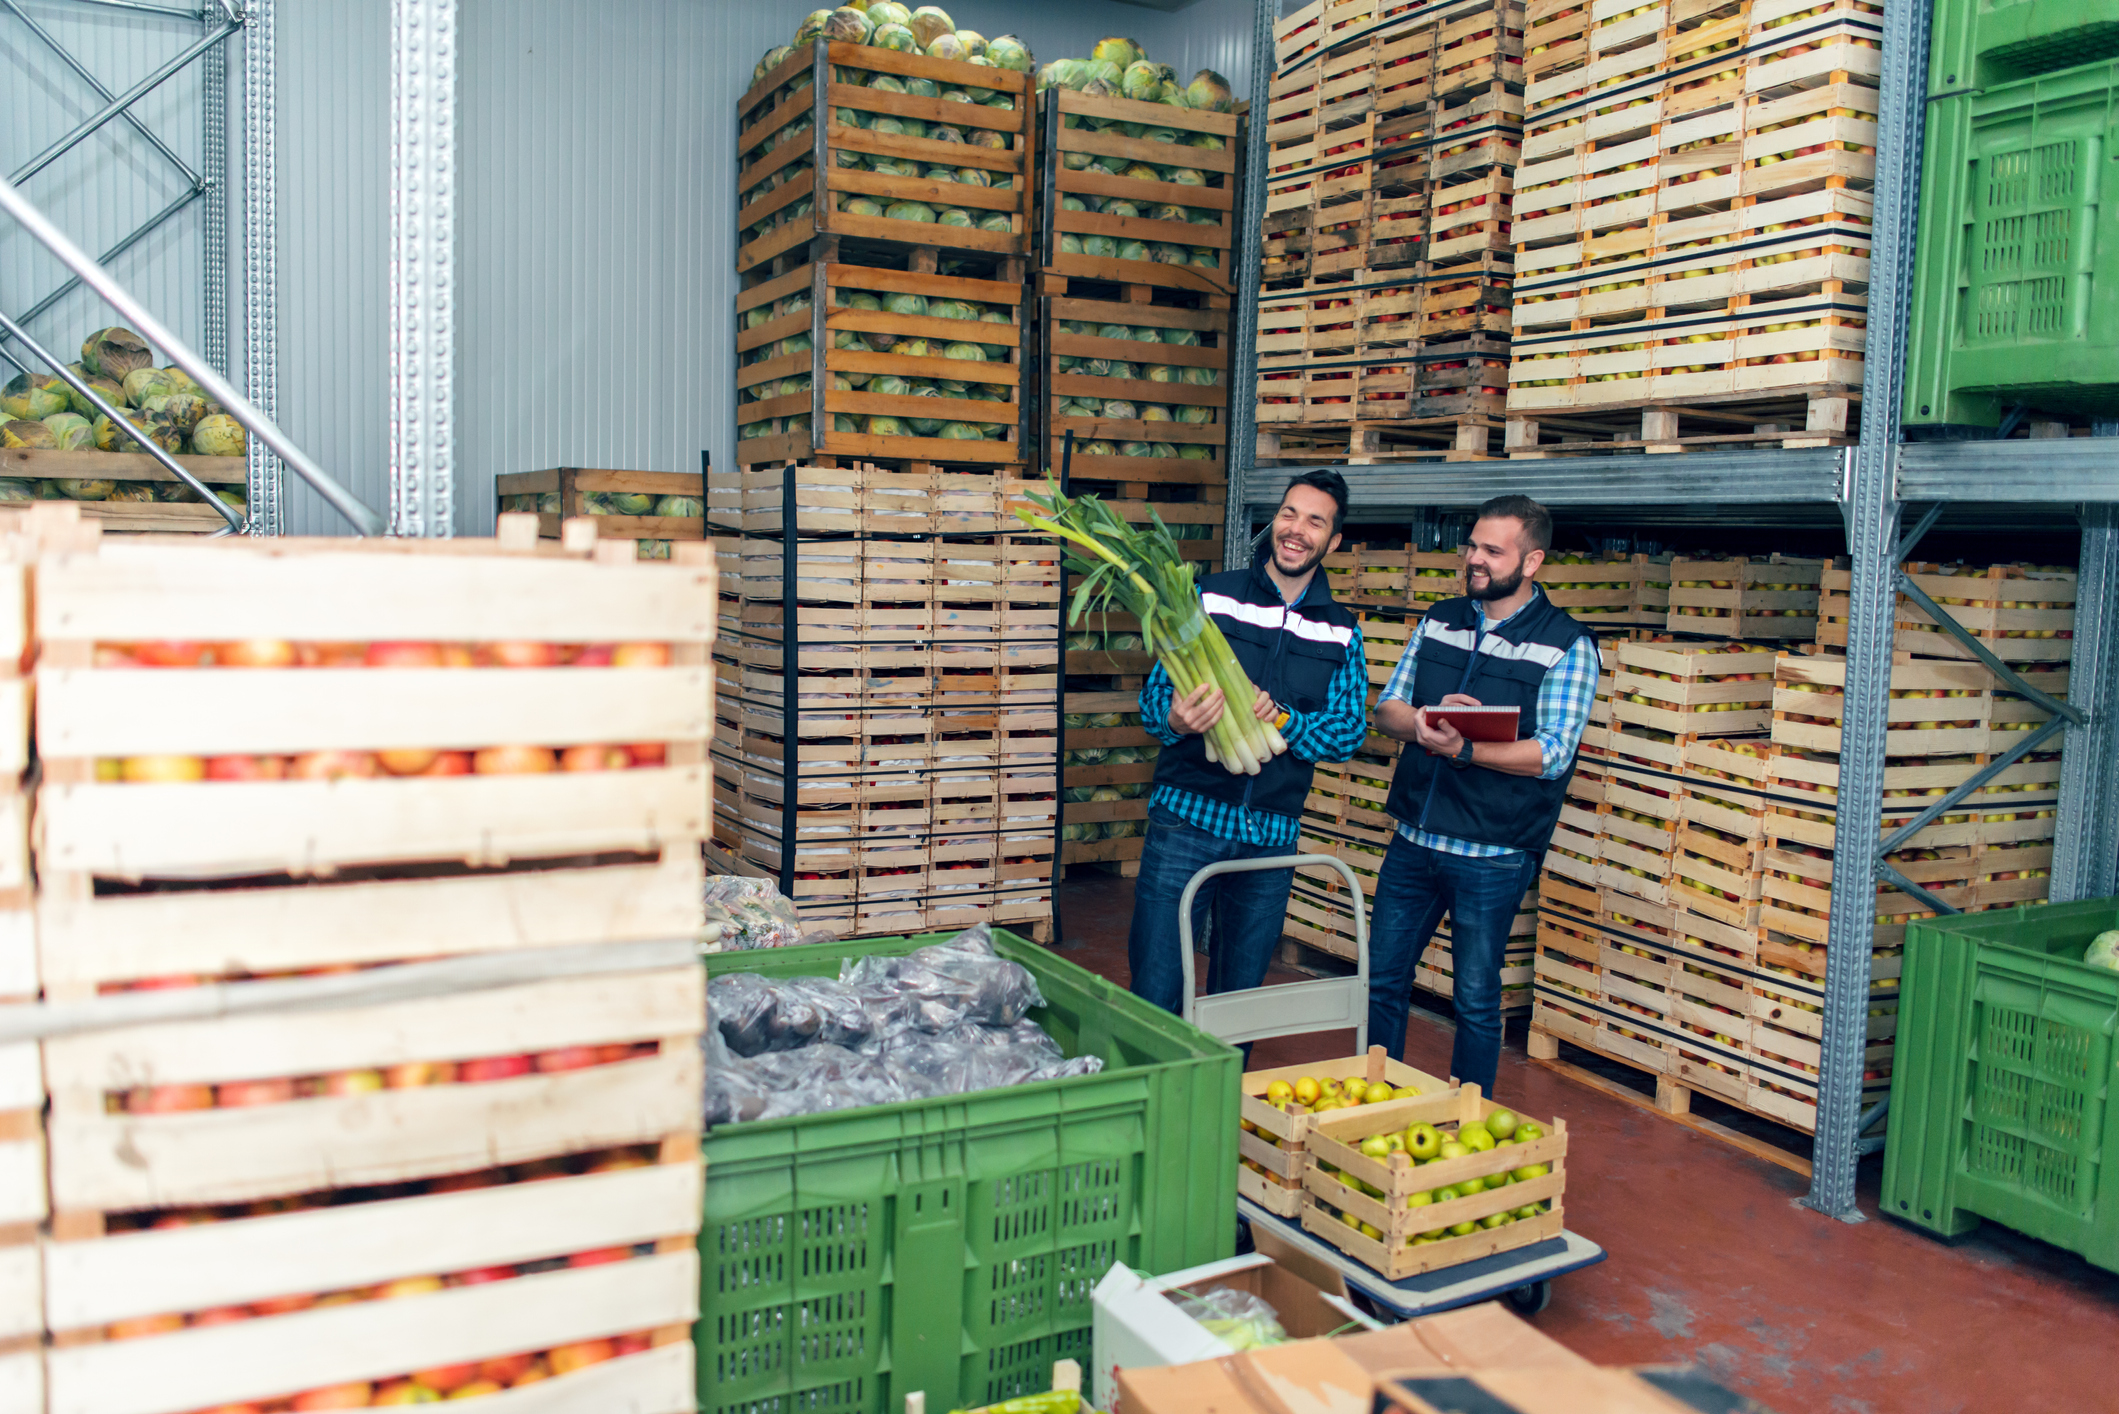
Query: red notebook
[1477, 723]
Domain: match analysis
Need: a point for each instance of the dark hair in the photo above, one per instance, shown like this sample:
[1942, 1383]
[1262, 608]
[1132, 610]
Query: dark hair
[1333, 485]
[1537, 521]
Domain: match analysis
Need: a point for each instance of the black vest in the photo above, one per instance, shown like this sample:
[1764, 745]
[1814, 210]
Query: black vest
[1488, 807]
[1293, 652]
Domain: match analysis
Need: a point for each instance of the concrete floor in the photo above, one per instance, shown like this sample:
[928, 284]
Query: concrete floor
[1712, 1263]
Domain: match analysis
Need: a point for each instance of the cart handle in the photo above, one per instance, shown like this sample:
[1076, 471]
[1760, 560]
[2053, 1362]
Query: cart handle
[1346, 997]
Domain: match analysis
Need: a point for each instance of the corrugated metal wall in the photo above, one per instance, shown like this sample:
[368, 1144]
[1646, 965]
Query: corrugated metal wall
[596, 250]
[109, 185]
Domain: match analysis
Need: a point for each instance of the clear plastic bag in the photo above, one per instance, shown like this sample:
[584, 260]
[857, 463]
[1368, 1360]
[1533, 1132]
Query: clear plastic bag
[964, 976]
[1239, 1319]
[752, 913]
[758, 1014]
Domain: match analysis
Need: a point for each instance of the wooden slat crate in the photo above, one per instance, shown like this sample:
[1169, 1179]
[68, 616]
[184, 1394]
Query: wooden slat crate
[1774, 597]
[1597, 593]
[1683, 163]
[1436, 969]
[1142, 220]
[1271, 1150]
[1147, 411]
[195, 1164]
[886, 332]
[864, 500]
[562, 493]
[1687, 689]
[1529, 1210]
[24, 1188]
[145, 498]
[2021, 613]
[1936, 708]
[808, 155]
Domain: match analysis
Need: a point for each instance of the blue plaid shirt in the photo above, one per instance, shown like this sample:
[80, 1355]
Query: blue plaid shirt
[1333, 734]
[1564, 699]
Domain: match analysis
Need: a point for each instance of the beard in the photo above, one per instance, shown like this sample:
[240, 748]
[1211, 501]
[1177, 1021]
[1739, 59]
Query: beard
[1302, 569]
[1497, 587]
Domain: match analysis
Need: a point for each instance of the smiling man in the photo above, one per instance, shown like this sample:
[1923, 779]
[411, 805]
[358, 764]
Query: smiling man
[1474, 818]
[1303, 653]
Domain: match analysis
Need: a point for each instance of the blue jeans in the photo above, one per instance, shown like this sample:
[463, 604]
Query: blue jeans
[1414, 887]
[1248, 911]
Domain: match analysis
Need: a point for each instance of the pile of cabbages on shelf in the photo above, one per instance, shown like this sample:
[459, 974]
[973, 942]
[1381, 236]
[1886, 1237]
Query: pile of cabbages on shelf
[947, 1019]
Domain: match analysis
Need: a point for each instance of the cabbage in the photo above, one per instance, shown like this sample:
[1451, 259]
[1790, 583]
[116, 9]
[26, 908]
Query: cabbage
[689, 507]
[1008, 52]
[947, 46]
[1136, 449]
[1154, 412]
[1120, 408]
[961, 432]
[885, 427]
[911, 211]
[1119, 368]
[971, 353]
[1203, 377]
[812, 26]
[846, 25]
[896, 38]
[974, 43]
[1100, 247]
[1196, 416]
[996, 222]
[1133, 250]
[1205, 259]
[1116, 53]
[23, 432]
[905, 302]
[860, 206]
[923, 88]
[1209, 91]
[955, 216]
[939, 173]
[2103, 951]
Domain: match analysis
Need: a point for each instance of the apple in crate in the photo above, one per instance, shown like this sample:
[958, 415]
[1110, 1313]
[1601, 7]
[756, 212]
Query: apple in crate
[242, 1094]
[579, 1355]
[162, 770]
[348, 1396]
[168, 654]
[566, 1058]
[410, 1075]
[445, 1379]
[256, 653]
[332, 766]
[641, 655]
[513, 761]
[245, 768]
[450, 763]
[473, 1072]
[595, 758]
[169, 1099]
[519, 655]
[403, 655]
[508, 1368]
[407, 762]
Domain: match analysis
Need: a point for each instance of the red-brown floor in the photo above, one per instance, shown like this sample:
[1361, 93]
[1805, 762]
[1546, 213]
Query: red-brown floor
[1712, 1263]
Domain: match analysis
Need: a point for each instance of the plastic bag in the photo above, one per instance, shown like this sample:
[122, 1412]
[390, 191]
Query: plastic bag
[778, 1084]
[964, 976]
[752, 913]
[1240, 1320]
[759, 1014]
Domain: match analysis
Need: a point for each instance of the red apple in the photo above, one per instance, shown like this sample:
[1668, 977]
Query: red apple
[461, 1182]
[632, 1342]
[519, 655]
[332, 766]
[347, 1396]
[245, 768]
[513, 761]
[444, 1378]
[169, 1099]
[401, 1392]
[594, 655]
[450, 763]
[407, 762]
[168, 654]
[473, 1072]
[565, 1058]
[241, 1094]
[579, 1355]
[595, 758]
[331, 655]
[283, 1305]
[601, 1257]
[403, 655]
[624, 1159]
[647, 753]
[223, 1316]
[616, 1051]
[255, 653]
[483, 1276]
[641, 655]
[235, 1409]
[508, 1368]
[458, 655]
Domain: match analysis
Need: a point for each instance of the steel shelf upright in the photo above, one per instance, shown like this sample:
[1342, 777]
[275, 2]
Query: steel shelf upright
[423, 137]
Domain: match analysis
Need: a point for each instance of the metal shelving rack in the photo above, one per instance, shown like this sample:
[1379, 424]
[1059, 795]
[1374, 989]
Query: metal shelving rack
[1871, 485]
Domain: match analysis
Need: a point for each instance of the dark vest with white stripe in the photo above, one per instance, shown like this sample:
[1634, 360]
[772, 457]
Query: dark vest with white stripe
[1470, 803]
[1293, 651]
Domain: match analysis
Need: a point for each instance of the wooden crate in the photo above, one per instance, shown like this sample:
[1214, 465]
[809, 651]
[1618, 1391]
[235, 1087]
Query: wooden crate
[1189, 252]
[1745, 598]
[1595, 592]
[2020, 613]
[790, 130]
[865, 500]
[563, 493]
[1936, 708]
[1334, 1141]
[1694, 689]
[1091, 346]
[806, 330]
[1271, 1150]
[169, 507]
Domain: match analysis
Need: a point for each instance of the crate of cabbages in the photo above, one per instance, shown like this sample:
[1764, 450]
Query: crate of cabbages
[1027, 1122]
[652, 508]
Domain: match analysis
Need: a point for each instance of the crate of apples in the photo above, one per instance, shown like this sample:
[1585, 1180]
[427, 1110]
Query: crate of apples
[1279, 1105]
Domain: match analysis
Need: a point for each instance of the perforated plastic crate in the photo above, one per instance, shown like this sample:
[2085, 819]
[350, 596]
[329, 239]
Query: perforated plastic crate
[2001, 1087]
[951, 1246]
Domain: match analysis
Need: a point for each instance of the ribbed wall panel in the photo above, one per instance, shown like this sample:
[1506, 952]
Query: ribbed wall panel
[111, 183]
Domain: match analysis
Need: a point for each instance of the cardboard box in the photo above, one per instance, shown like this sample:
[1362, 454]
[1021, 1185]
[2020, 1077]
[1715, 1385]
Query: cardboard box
[1138, 1326]
[1342, 1375]
[1647, 1390]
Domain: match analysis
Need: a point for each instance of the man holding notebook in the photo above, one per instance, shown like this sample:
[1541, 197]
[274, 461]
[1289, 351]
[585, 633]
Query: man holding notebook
[1490, 700]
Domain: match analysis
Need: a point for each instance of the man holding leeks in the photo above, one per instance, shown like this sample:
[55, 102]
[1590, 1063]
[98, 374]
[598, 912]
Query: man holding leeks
[1303, 652]
[1474, 818]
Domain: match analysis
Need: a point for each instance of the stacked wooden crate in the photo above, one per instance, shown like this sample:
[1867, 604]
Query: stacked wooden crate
[409, 1189]
[137, 494]
[2021, 613]
[1745, 597]
[641, 506]
[1384, 326]
[915, 764]
[882, 302]
[24, 1187]
[1104, 801]
[1271, 1152]
[1692, 224]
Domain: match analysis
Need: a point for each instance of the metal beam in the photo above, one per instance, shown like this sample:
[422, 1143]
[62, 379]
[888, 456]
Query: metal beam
[2062, 471]
[1872, 521]
[119, 104]
[1240, 456]
[96, 85]
[261, 266]
[155, 332]
[213, 185]
[141, 232]
[2086, 838]
[1725, 478]
[423, 267]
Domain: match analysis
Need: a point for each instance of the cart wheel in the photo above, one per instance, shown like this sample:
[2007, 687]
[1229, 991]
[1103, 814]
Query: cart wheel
[1531, 1299]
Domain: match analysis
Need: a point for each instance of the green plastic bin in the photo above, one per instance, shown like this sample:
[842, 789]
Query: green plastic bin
[2016, 291]
[950, 1246]
[2003, 1080]
[1982, 42]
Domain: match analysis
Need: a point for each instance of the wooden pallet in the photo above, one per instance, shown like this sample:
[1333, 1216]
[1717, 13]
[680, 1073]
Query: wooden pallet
[1462, 437]
[155, 501]
[789, 123]
[561, 493]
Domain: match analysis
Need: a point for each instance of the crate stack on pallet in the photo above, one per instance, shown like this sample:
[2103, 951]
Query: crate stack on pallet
[883, 233]
[24, 1189]
[1108, 759]
[654, 509]
[469, 1164]
[908, 749]
[1692, 224]
[1384, 323]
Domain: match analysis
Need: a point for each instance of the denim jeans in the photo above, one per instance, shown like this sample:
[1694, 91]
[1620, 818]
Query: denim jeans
[1248, 911]
[1414, 887]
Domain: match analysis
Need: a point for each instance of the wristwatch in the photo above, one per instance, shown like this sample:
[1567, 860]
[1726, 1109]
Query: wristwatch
[1464, 755]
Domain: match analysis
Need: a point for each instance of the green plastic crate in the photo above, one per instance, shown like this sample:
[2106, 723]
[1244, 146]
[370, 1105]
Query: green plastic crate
[951, 1246]
[2016, 293]
[2003, 1079]
[1987, 42]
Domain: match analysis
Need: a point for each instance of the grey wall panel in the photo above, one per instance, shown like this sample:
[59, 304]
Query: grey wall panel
[334, 248]
[110, 184]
